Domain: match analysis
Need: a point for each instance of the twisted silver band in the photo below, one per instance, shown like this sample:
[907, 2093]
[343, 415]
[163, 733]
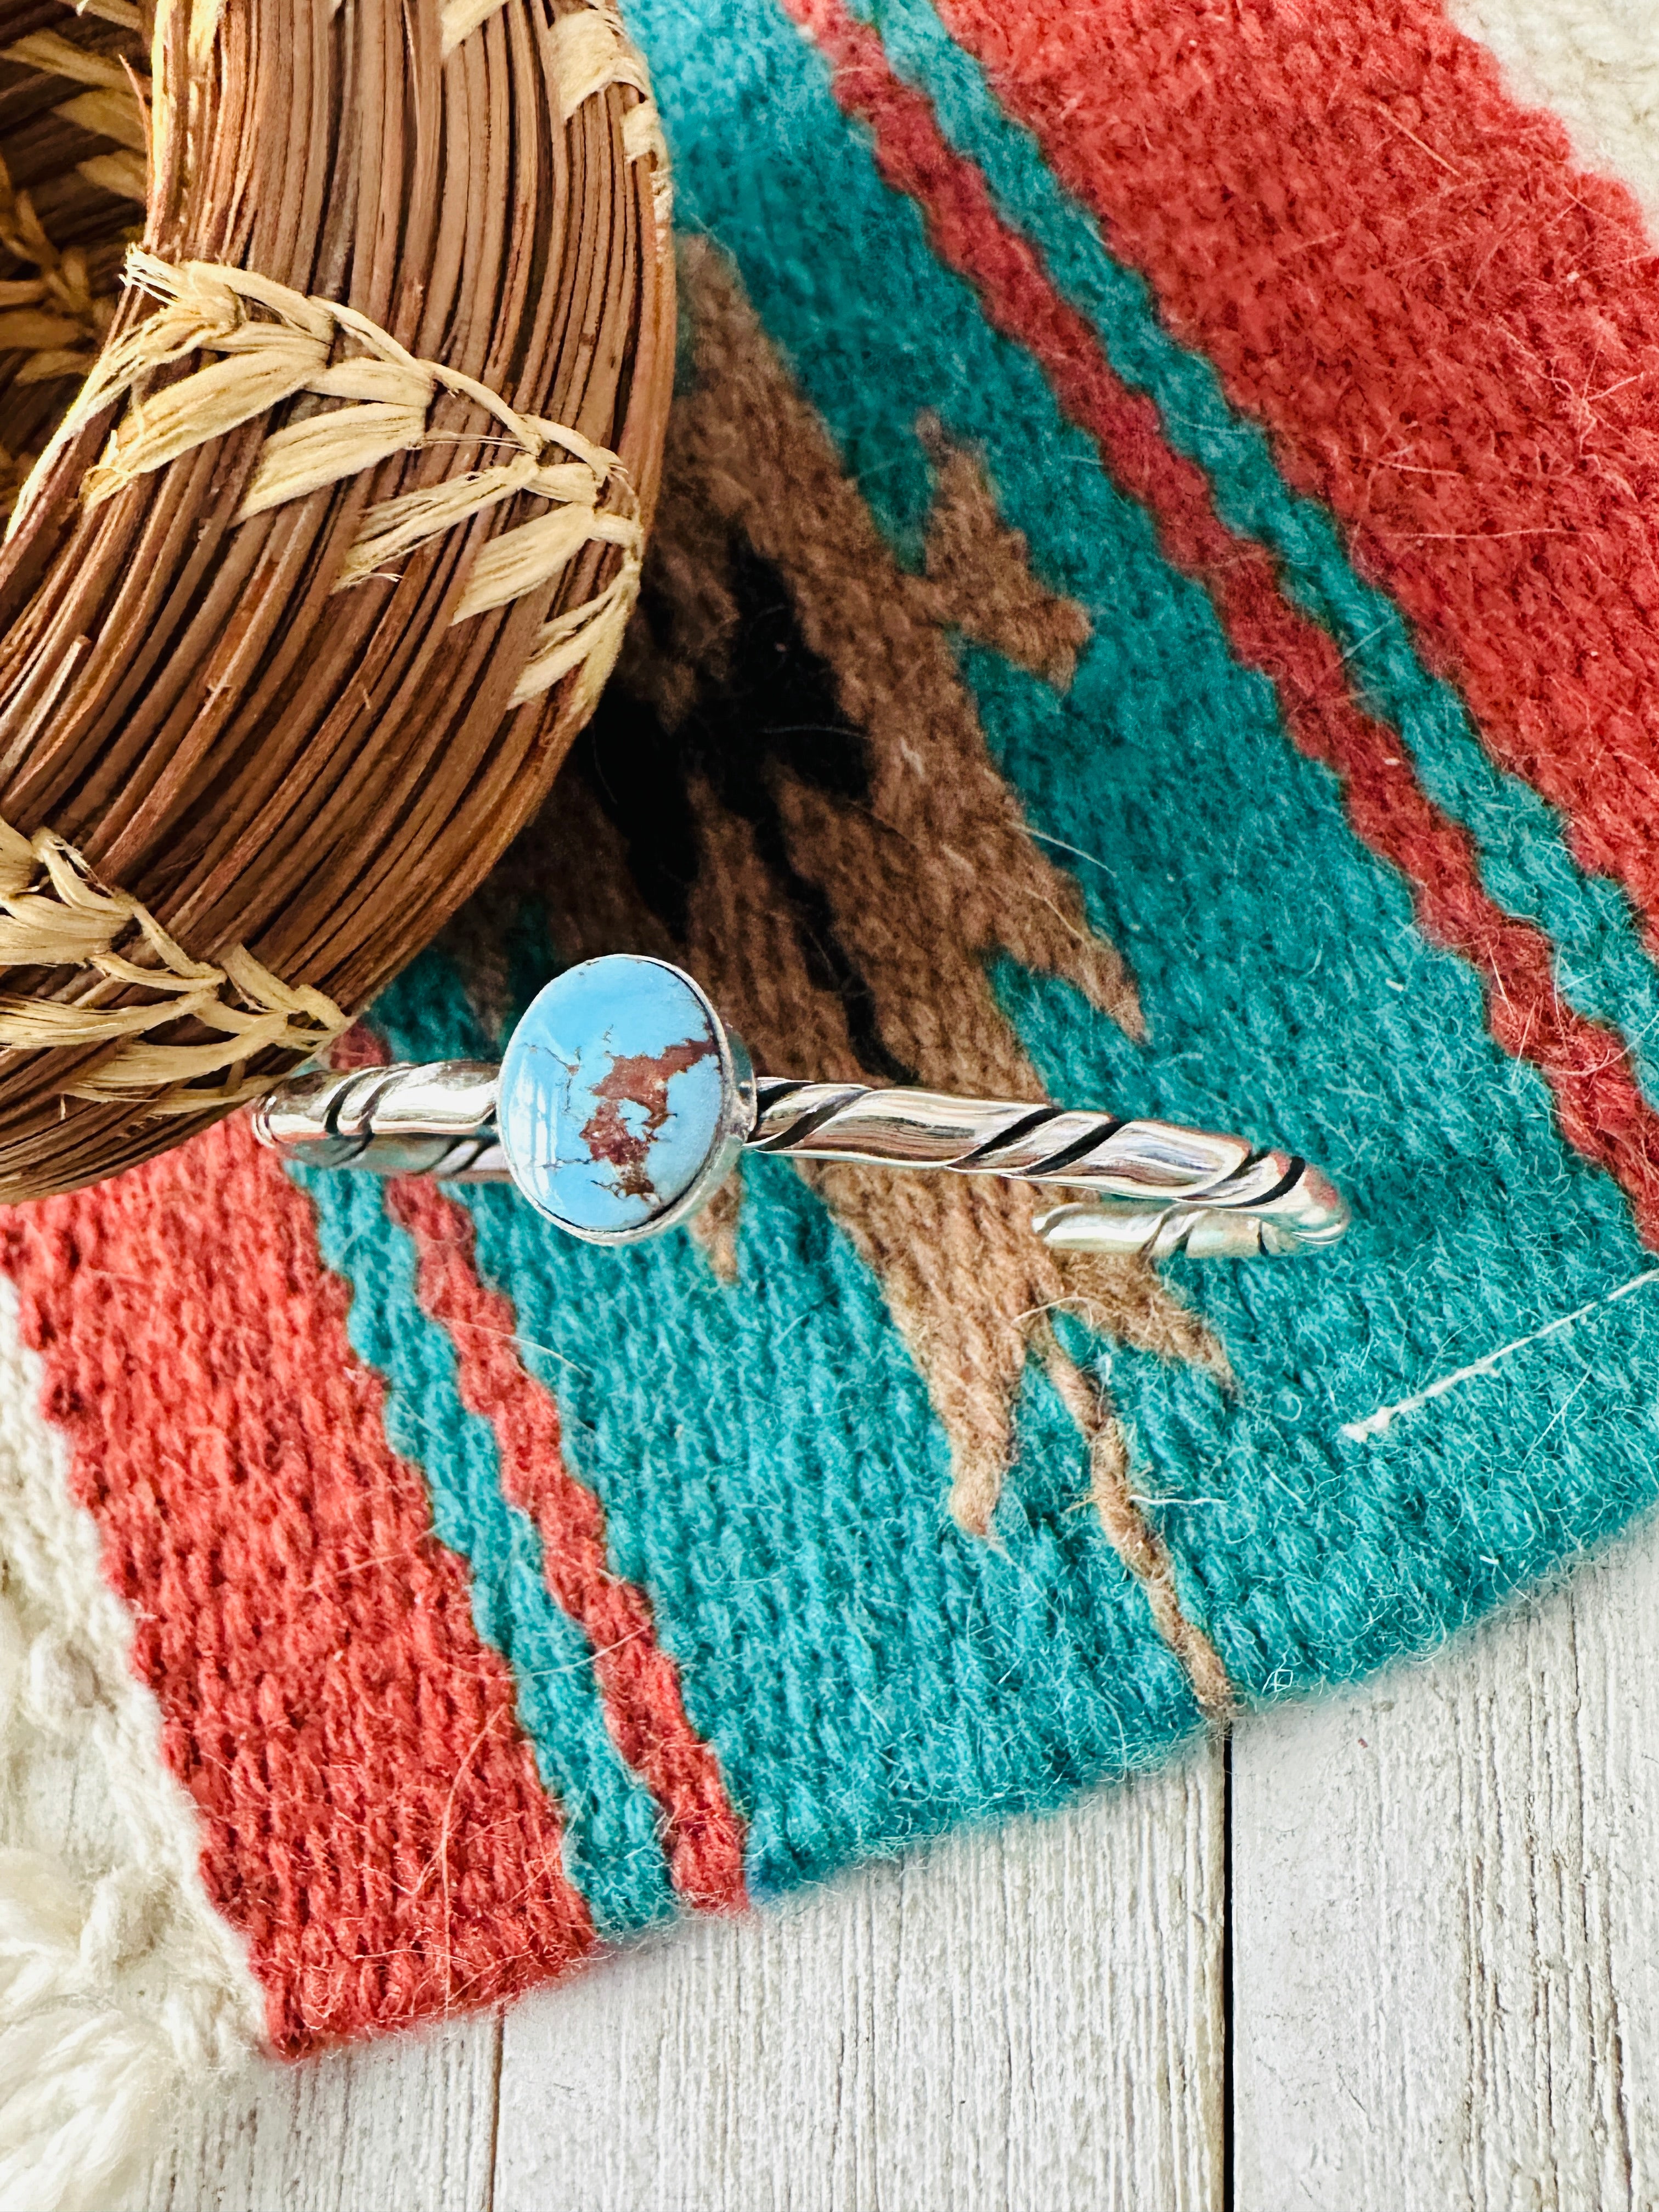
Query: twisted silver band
[1155, 1188]
[1152, 1188]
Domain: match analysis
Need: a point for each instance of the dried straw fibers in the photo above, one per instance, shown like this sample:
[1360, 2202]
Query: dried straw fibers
[318, 572]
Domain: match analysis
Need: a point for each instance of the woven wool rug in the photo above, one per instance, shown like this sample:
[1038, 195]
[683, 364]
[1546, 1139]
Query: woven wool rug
[1154, 605]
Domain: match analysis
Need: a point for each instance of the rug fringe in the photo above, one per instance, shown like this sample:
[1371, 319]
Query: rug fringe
[86, 2084]
[120, 1987]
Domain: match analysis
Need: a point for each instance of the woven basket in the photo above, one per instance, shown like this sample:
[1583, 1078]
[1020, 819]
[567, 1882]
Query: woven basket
[328, 494]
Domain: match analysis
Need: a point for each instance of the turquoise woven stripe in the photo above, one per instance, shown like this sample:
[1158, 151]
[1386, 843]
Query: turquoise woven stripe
[772, 1472]
[1287, 987]
[612, 1849]
[1602, 968]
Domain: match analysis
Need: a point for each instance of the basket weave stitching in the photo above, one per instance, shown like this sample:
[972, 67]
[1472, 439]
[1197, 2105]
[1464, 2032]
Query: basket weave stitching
[54, 313]
[319, 393]
[55, 913]
[272, 343]
[114, 106]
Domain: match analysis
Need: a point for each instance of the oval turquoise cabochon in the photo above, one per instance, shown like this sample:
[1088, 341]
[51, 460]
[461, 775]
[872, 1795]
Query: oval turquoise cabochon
[612, 1098]
[757, 1413]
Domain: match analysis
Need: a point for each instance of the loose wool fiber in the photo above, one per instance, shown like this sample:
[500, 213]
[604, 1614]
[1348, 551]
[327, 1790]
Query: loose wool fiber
[1152, 603]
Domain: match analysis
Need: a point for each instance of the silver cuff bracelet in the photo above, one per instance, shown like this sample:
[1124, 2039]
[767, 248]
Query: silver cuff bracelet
[622, 1102]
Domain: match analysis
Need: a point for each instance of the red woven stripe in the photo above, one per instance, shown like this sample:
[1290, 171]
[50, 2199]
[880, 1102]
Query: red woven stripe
[1600, 1109]
[1451, 333]
[371, 1819]
[637, 1680]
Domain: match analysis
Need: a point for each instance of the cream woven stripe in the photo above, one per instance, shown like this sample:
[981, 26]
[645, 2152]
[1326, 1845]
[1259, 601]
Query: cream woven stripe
[273, 343]
[54, 915]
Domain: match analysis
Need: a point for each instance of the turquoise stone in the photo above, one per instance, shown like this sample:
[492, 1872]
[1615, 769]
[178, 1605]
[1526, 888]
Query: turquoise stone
[616, 1097]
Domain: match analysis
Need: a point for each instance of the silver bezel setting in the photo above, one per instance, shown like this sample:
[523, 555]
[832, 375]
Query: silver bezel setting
[737, 1118]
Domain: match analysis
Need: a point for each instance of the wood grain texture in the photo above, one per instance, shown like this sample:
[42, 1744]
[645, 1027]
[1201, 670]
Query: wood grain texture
[1446, 1923]
[406, 2125]
[1029, 2019]
[1025, 2019]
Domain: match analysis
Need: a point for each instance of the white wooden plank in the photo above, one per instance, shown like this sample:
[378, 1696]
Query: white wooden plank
[407, 2123]
[1031, 2019]
[403, 2126]
[1446, 1982]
